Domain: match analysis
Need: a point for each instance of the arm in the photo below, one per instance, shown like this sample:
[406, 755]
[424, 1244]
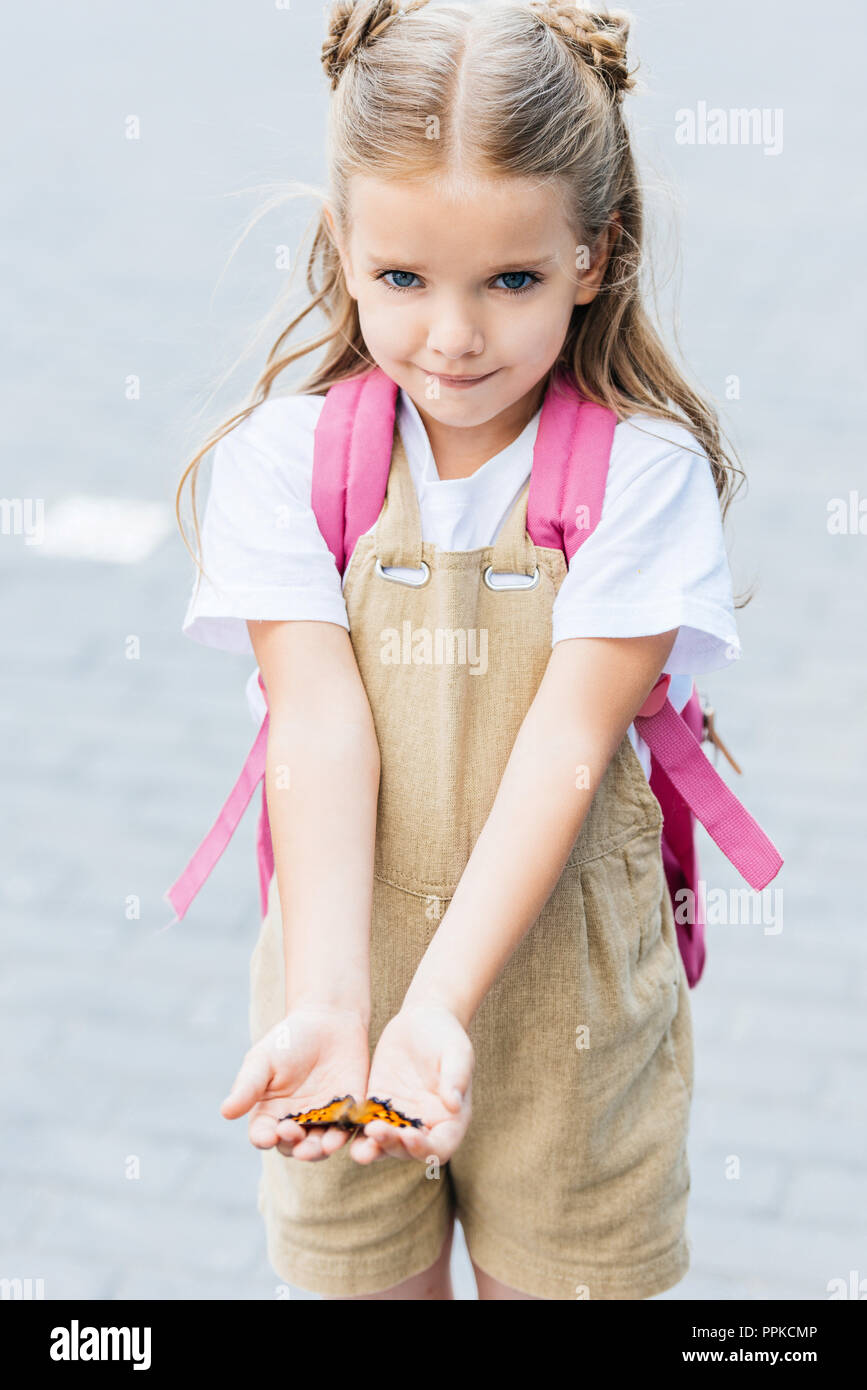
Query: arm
[322, 783]
[588, 697]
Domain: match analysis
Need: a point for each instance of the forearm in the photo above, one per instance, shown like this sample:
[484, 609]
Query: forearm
[537, 814]
[322, 784]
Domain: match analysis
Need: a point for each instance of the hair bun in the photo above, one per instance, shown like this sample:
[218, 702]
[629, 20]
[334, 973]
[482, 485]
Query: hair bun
[599, 39]
[352, 24]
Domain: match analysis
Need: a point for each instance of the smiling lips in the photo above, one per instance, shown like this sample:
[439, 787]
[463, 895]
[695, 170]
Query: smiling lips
[461, 381]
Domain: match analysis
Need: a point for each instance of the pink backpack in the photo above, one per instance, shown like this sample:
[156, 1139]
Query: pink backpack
[352, 458]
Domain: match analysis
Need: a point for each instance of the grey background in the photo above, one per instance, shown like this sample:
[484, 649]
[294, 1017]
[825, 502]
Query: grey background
[118, 1040]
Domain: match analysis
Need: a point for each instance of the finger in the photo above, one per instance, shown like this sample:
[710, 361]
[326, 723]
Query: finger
[416, 1142]
[386, 1140]
[393, 1141]
[289, 1148]
[289, 1136]
[310, 1148]
[442, 1139]
[365, 1150]
[249, 1085]
[327, 1141]
[455, 1072]
[264, 1131]
[334, 1139]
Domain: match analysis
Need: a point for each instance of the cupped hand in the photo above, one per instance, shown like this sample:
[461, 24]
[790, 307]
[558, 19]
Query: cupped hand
[423, 1065]
[304, 1061]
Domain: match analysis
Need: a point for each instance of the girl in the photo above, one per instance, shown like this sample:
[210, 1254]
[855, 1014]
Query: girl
[468, 914]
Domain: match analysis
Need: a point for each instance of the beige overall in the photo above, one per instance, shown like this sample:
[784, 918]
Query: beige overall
[572, 1180]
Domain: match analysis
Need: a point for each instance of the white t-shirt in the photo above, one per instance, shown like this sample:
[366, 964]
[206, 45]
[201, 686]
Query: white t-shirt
[655, 561]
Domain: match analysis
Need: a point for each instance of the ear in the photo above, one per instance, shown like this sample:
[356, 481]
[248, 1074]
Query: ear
[590, 275]
[345, 262]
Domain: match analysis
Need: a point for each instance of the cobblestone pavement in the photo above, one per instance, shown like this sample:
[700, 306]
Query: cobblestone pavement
[119, 1177]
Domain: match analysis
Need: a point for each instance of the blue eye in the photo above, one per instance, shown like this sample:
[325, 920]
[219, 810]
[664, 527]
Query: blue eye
[401, 276]
[512, 275]
[516, 281]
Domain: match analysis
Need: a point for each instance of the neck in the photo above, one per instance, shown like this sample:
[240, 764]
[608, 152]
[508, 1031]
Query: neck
[460, 452]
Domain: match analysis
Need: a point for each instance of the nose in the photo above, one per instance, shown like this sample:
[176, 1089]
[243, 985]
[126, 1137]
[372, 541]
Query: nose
[454, 331]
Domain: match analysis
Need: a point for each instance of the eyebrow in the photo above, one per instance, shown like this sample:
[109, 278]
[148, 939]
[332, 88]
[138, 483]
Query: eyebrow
[528, 263]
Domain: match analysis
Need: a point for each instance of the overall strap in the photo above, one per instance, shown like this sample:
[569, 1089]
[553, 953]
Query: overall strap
[513, 549]
[397, 538]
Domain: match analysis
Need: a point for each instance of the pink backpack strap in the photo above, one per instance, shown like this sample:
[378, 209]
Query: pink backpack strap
[677, 751]
[351, 459]
[570, 469]
[567, 490]
[680, 854]
[187, 885]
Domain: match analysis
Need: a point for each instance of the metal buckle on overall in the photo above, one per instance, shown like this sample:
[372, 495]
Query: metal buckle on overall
[424, 572]
[523, 581]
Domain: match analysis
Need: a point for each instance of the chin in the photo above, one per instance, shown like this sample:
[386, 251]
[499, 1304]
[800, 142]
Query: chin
[461, 411]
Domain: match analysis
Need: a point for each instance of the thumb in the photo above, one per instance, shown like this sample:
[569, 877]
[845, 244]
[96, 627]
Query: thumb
[455, 1071]
[249, 1085]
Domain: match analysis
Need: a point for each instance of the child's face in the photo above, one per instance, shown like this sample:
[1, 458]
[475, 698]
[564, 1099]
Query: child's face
[481, 287]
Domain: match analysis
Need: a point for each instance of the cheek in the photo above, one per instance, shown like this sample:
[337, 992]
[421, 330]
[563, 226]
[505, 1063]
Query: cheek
[537, 333]
[386, 326]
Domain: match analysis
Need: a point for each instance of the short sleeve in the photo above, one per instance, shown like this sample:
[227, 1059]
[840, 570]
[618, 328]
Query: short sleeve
[657, 558]
[262, 549]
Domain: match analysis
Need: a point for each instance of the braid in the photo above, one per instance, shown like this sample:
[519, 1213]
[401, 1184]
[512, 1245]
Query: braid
[353, 24]
[597, 39]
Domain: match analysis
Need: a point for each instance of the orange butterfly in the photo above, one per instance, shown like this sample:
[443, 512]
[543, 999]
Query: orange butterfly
[345, 1112]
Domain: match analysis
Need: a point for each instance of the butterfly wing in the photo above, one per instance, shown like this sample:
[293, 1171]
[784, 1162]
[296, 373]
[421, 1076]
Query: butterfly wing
[334, 1113]
[375, 1109]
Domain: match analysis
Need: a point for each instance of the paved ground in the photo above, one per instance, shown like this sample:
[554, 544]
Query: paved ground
[119, 1177]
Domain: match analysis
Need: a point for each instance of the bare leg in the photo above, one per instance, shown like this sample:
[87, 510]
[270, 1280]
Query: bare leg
[490, 1288]
[433, 1283]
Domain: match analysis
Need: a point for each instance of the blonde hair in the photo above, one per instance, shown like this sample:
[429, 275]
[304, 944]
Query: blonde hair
[526, 90]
